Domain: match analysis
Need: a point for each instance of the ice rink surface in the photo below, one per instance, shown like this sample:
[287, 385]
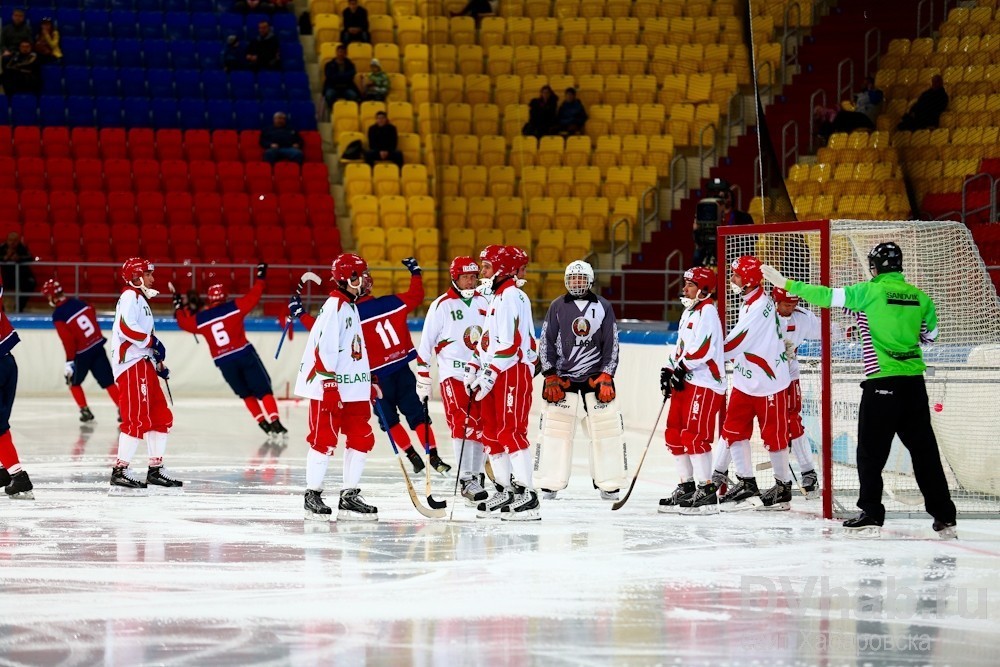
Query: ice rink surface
[230, 574]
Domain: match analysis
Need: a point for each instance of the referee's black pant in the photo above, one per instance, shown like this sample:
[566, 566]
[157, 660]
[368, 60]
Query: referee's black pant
[898, 406]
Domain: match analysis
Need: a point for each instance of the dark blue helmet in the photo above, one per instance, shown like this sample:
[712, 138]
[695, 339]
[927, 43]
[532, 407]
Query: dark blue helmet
[885, 258]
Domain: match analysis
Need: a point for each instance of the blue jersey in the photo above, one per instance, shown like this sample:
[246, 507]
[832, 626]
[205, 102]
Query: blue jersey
[383, 325]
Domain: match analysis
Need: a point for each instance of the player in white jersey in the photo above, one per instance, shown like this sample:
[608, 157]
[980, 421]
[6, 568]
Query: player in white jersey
[503, 386]
[760, 378]
[452, 329]
[335, 375]
[801, 324]
[137, 360]
[695, 382]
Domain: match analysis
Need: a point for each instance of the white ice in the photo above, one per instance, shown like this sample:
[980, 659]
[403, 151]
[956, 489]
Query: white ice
[229, 573]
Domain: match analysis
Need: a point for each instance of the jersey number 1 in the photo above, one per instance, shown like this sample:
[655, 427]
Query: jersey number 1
[387, 334]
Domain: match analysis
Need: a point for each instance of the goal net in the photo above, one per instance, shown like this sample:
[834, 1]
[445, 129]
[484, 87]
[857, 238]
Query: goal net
[963, 365]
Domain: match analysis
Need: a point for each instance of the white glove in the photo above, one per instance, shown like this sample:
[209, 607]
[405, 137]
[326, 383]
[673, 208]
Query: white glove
[469, 376]
[69, 372]
[484, 383]
[423, 386]
[773, 276]
[790, 349]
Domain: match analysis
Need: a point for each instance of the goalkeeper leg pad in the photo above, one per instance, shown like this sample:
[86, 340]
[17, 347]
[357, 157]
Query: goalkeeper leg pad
[609, 458]
[554, 452]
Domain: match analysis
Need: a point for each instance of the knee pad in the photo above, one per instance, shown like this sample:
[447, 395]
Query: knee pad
[554, 451]
[609, 457]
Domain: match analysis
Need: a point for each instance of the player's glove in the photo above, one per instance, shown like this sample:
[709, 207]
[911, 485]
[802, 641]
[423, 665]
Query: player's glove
[261, 271]
[376, 390]
[789, 349]
[159, 351]
[295, 307]
[162, 371]
[331, 396]
[469, 375]
[773, 276]
[677, 378]
[536, 367]
[70, 371]
[554, 389]
[604, 386]
[423, 385]
[178, 301]
[412, 266]
[484, 383]
[665, 375]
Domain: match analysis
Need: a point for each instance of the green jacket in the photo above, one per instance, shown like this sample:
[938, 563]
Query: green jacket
[894, 318]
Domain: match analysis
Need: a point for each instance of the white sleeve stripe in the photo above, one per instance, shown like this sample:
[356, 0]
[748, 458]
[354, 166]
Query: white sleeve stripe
[839, 298]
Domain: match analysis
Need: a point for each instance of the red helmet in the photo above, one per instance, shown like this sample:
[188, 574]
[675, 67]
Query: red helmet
[51, 290]
[703, 277]
[519, 257]
[507, 262]
[462, 265]
[780, 295]
[747, 268]
[491, 253]
[350, 270]
[217, 294]
[133, 268]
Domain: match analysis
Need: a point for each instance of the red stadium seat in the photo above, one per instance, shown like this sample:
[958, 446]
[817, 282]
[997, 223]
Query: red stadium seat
[93, 206]
[10, 214]
[184, 242]
[63, 206]
[121, 208]
[151, 208]
[300, 245]
[312, 146]
[328, 243]
[34, 205]
[118, 174]
[197, 145]
[141, 144]
[169, 144]
[145, 175]
[8, 170]
[153, 238]
[214, 246]
[113, 144]
[27, 141]
[125, 240]
[242, 244]
[174, 175]
[30, 173]
[231, 177]
[6, 141]
[207, 208]
[180, 209]
[95, 237]
[264, 210]
[293, 209]
[84, 143]
[38, 237]
[236, 209]
[250, 150]
[259, 178]
[55, 142]
[101, 280]
[315, 178]
[89, 174]
[202, 174]
[225, 146]
[321, 210]
[59, 173]
[287, 177]
[66, 232]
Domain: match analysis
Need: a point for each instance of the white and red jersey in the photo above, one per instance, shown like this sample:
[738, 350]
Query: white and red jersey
[132, 333]
[801, 325]
[756, 347]
[508, 330]
[699, 346]
[452, 328]
[335, 349]
[76, 324]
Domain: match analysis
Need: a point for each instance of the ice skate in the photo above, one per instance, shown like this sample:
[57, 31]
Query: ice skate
[704, 501]
[944, 530]
[279, 431]
[4, 477]
[671, 505]
[524, 506]
[500, 499]
[352, 507]
[123, 484]
[777, 498]
[810, 484]
[316, 509]
[742, 497]
[473, 491]
[610, 495]
[415, 460]
[721, 481]
[157, 478]
[19, 487]
[437, 463]
[265, 427]
[549, 495]
[86, 415]
[863, 526]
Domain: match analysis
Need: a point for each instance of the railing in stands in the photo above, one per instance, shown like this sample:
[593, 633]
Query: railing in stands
[766, 91]
[707, 155]
[673, 279]
[926, 28]
[789, 151]
[845, 83]
[990, 205]
[995, 196]
[818, 98]
[617, 247]
[649, 215]
[678, 179]
[791, 37]
[669, 276]
[735, 118]
[872, 53]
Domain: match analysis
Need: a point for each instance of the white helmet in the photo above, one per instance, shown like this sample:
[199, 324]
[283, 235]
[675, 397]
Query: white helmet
[579, 268]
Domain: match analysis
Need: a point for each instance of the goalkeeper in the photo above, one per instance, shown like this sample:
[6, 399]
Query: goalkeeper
[894, 318]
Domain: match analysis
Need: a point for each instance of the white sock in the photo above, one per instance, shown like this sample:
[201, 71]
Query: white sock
[316, 464]
[702, 464]
[803, 452]
[521, 465]
[478, 456]
[501, 468]
[156, 443]
[354, 465]
[684, 469]
[465, 458]
[723, 456]
[740, 452]
[127, 446]
[779, 463]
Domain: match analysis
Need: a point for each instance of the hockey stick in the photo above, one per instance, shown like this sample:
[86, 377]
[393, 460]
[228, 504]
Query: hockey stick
[461, 457]
[766, 465]
[308, 276]
[173, 291]
[621, 503]
[431, 502]
[160, 367]
[429, 513]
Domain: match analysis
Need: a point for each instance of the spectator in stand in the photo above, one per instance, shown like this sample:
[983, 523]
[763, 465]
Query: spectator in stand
[234, 56]
[542, 114]
[927, 110]
[715, 210]
[254, 7]
[477, 9]
[47, 43]
[22, 71]
[869, 100]
[14, 33]
[355, 24]
[338, 79]
[280, 142]
[264, 52]
[829, 120]
[383, 142]
[571, 116]
[376, 84]
[17, 275]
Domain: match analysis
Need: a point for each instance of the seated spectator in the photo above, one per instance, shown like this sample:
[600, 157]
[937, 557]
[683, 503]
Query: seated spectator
[17, 275]
[22, 71]
[572, 116]
[338, 79]
[829, 120]
[383, 142]
[47, 42]
[927, 110]
[355, 24]
[477, 9]
[234, 56]
[264, 52]
[376, 84]
[869, 100]
[541, 114]
[280, 142]
[14, 33]
[254, 7]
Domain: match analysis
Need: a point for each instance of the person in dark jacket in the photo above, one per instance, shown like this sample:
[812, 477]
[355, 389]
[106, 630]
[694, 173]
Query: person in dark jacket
[16, 273]
[280, 142]
[927, 110]
[571, 116]
[22, 71]
[541, 114]
[338, 79]
[264, 52]
[383, 142]
[15, 32]
[355, 24]
[234, 56]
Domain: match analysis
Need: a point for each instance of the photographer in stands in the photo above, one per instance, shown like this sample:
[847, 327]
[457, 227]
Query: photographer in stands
[715, 209]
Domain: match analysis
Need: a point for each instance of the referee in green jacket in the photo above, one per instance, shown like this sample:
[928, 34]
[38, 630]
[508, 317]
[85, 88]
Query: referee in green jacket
[894, 318]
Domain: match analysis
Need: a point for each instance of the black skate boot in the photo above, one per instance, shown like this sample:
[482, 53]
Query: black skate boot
[415, 460]
[316, 509]
[86, 415]
[436, 461]
[278, 430]
[354, 508]
[500, 499]
[704, 501]
[863, 526]
[473, 491]
[524, 506]
[672, 505]
[743, 496]
[4, 477]
[810, 484]
[721, 481]
[265, 427]
[777, 498]
[944, 529]
[158, 478]
[123, 484]
[19, 487]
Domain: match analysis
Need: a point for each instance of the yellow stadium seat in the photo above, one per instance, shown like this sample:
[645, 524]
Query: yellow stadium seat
[661, 152]
[646, 10]
[578, 150]
[400, 113]
[360, 52]
[541, 211]
[357, 180]
[591, 89]
[531, 85]
[392, 212]
[431, 117]
[345, 117]
[652, 119]
[366, 115]
[625, 208]
[364, 211]
[674, 90]
[465, 149]
[553, 60]
[502, 179]
[569, 210]
[507, 89]
[477, 88]
[626, 31]
[550, 246]
[699, 88]
[626, 119]
[422, 211]
[643, 90]
[427, 245]
[601, 120]
[617, 88]
[586, 181]
[492, 150]
[600, 30]
[458, 119]
[470, 59]
[617, 183]
[578, 244]
[595, 218]
[371, 243]
[523, 152]
[609, 60]
[500, 61]
[519, 238]
[588, 8]
[492, 31]
[635, 59]
[560, 182]
[474, 181]
[409, 30]
[414, 180]
[634, 150]
[843, 171]
[462, 30]
[527, 59]
[682, 29]
[681, 120]
[724, 87]
[514, 118]
[545, 32]
[643, 178]
[706, 30]
[385, 179]
[409, 146]
[510, 213]
[454, 211]
[326, 28]
[582, 60]
[381, 27]
[607, 153]
[388, 57]
[345, 138]
[423, 88]
[488, 236]
[550, 151]
[485, 119]
[690, 57]
[417, 59]
[574, 32]
[706, 124]
[481, 212]
[437, 151]
[533, 182]
[518, 31]
[450, 88]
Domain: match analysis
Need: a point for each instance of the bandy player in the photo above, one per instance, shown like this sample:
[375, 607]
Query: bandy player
[502, 384]
[76, 324]
[135, 350]
[14, 479]
[760, 378]
[801, 324]
[695, 382]
[452, 328]
[222, 326]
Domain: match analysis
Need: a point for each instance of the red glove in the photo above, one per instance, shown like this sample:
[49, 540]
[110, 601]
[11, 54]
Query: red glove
[604, 385]
[331, 396]
[554, 388]
[376, 390]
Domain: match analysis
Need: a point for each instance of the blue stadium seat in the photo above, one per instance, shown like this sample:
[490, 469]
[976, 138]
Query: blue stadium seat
[285, 26]
[184, 55]
[52, 110]
[132, 81]
[123, 5]
[247, 115]
[232, 24]
[128, 52]
[150, 25]
[291, 57]
[156, 53]
[187, 83]
[148, 5]
[242, 85]
[76, 81]
[297, 85]
[177, 25]
[136, 111]
[104, 80]
[108, 111]
[96, 4]
[207, 6]
[4, 113]
[123, 24]
[303, 114]
[100, 52]
[80, 111]
[215, 84]
[205, 26]
[192, 114]
[160, 83]
[95, 22]
[270, 86]
[164, 113]
[74, 48]
[24, 110]
[220, 114]
[52, 81]
[69, 21]
[209, 54]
